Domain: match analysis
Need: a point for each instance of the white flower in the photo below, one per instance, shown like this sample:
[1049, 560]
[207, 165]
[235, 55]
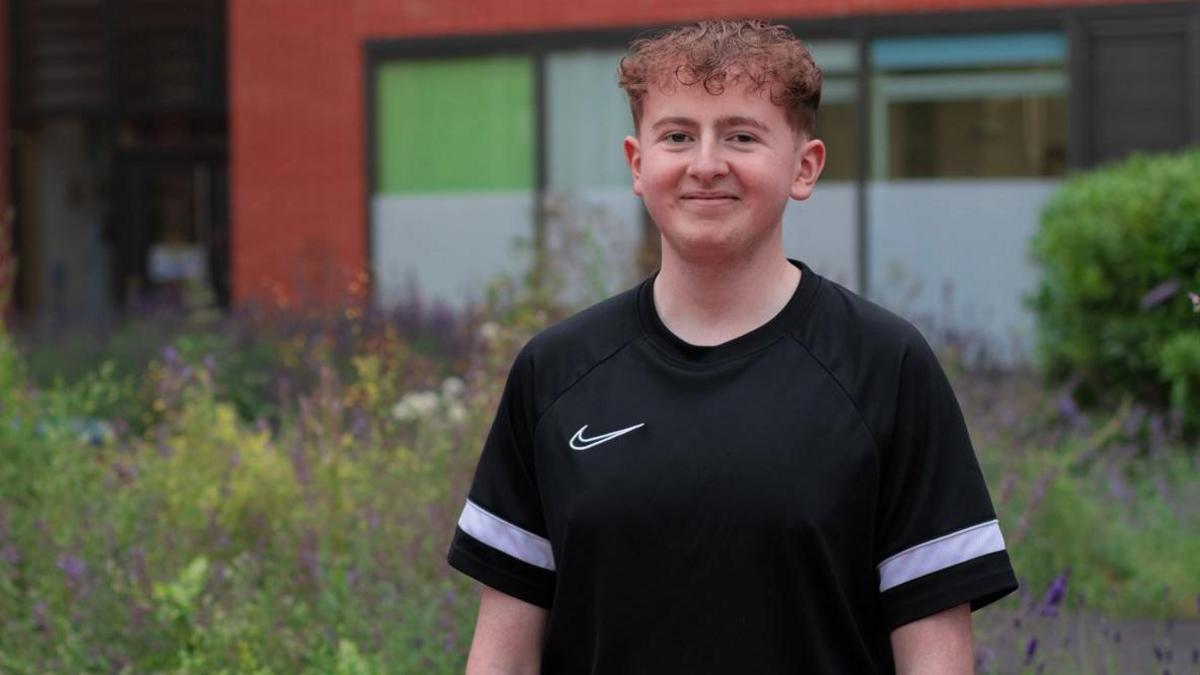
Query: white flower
[453, 388]
[416, 405]
[456, 413]
[489, 331]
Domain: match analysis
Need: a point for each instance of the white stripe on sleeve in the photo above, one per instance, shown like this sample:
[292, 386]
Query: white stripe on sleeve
[504, 536]
[938, 554]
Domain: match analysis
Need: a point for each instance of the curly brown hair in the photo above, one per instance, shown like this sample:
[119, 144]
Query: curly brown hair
[716, 53]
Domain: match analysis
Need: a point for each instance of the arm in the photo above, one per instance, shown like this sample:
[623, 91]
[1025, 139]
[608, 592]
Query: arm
[939, 644]
[508, 636]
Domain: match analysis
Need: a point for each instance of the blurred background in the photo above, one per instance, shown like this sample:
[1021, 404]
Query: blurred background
[263, 266]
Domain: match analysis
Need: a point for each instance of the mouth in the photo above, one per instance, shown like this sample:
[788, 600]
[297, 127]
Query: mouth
[710, 197]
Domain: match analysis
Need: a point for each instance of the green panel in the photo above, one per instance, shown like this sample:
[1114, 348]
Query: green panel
[464, 124]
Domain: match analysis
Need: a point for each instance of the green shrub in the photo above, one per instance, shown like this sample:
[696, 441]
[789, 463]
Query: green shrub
[1119, 248]
[1181, 368]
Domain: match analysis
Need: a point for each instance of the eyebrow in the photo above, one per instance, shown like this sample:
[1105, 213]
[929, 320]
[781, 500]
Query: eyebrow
[728, 121]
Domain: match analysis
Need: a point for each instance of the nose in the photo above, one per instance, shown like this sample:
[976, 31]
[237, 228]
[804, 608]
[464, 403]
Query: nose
[708, 163]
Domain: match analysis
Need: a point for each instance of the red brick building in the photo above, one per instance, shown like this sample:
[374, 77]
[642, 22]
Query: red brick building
[415, 140]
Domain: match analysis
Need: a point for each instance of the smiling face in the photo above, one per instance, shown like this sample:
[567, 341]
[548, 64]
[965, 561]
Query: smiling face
[716, 171]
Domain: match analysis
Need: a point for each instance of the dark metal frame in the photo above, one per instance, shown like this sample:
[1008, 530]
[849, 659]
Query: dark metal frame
[10, 157]
[1105, 24]
[212, 105]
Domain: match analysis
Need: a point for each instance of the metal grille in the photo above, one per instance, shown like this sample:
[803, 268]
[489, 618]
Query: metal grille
[115, 56]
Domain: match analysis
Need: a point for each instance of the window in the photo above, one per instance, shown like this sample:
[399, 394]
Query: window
[969, 106]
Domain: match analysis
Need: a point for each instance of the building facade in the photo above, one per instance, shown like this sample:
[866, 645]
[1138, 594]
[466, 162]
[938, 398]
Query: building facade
[435, 145]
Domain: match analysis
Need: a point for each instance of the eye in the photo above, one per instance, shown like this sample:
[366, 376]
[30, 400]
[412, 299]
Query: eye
[743, 138]
[676, 137]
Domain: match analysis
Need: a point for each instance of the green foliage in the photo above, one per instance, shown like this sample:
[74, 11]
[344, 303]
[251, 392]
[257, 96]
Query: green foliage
[1108, 239]
[147, 525]
[1180, 364]
[1112, 504]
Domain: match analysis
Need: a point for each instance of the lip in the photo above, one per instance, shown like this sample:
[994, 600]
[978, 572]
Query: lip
[709, 196]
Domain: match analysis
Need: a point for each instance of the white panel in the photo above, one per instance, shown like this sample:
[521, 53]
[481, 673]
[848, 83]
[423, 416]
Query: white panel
[587, 119]
[953, 255]
[451, 245]
[938, 554]
[821, 232]
[504, 536]
[834, 56]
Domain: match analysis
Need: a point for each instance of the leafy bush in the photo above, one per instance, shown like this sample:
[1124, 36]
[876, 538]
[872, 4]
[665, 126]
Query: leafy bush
[1119, 248]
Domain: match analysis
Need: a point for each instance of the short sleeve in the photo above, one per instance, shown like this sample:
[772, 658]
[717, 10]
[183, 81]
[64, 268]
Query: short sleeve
[501, 537]
[938, 544]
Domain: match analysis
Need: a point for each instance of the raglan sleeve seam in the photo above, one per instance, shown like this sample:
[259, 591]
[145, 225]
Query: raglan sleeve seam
[845, 392]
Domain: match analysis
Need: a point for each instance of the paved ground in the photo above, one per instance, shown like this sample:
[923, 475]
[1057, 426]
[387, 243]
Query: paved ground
[1084, 643]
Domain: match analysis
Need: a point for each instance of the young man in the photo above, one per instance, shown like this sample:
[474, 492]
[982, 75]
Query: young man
[737, 466]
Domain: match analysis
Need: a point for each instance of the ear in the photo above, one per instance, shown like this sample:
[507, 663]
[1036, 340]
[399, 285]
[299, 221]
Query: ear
[633, 156]
[810, 160]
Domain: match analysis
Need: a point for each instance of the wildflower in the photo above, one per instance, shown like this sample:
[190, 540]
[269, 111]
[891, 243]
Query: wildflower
[73, 567]
[456, 413]
[415, 405]
[1195, 298]
[1159, 294]
[1031, 650]
[1117, 487]
[489, 331]
[453, 387]
[40, 621]
[1055, 594]
[984, 657]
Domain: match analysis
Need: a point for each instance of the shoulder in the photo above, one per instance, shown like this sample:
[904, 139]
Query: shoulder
[842, 326]
[563, 353]
[877, 357]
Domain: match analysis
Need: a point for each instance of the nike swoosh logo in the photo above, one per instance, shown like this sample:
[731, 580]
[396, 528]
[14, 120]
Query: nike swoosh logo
[578, 442]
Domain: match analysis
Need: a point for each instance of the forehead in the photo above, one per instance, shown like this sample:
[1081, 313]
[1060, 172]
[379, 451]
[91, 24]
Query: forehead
[736, 97]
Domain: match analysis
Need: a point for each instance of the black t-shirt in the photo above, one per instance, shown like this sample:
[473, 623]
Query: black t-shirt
[774, 504]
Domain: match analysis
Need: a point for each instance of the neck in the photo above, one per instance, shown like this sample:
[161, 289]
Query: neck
[708, 302]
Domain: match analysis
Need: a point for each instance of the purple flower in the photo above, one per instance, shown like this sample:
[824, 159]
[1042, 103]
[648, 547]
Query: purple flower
[73, 567]
[40, 621]
[1117, 487]
[1031, 650]
[1069, 409]
[11, 554]
[1055, 594]
[984, 657]
[170, 354]
[1159, 294]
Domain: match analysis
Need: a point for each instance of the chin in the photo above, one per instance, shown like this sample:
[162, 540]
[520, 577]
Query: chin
[706, 246]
